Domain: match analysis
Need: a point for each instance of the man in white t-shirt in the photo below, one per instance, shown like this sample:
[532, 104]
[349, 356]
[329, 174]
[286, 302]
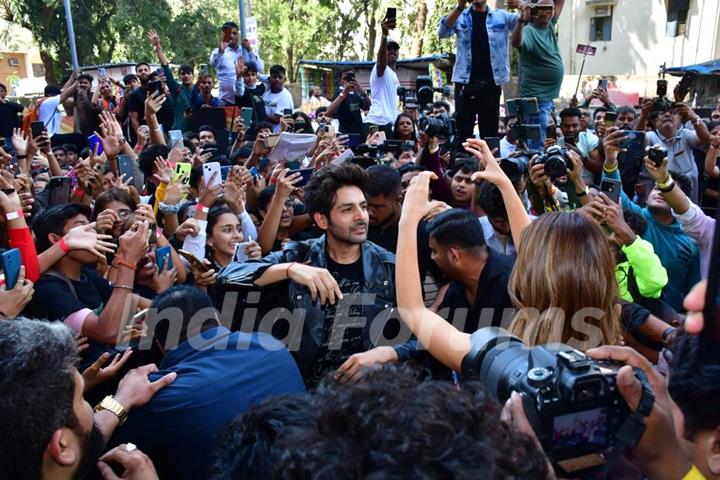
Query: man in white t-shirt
[49, 109]
[384, 83]
[277, 98]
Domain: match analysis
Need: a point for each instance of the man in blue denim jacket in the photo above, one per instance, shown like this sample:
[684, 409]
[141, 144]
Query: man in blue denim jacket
[481, 63]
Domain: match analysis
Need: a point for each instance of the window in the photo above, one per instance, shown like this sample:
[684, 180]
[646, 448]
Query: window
[38, 70]
[601, 24]
[14, 62]
[677, 18]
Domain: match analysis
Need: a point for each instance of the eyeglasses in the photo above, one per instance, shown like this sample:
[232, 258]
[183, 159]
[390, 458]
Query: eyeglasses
[124, 213]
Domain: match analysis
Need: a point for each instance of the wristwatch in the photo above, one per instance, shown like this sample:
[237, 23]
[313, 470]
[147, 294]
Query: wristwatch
[110, 404]
[583, 193]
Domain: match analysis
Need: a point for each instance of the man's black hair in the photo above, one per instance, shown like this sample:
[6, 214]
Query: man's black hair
[190, 135]
[441, 104]
[251, 67]
[388, 424]
[570, 112]
[320, 110]
[246, 448]
[230, 25]
[320, 191]
[37, 389]
[466, 165]
[51, 90]
[140, 64]
[491, 201]
[410, 167]
[59, 147]
[206, 128]
[383, 180]
[85, 76]
[186, 68]
[345, 69]
[71, 147]
[276, 70]
[2, 85]
[599, 110]
[53, 220]
[457, 227]
[146, 159]
[129, 78]
[636, 222]
[172, 311]
[506, 120]
[694, 386]
[623, 109]
[683, 181]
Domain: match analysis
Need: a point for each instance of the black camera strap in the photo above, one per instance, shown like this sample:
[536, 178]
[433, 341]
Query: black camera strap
[633, 428]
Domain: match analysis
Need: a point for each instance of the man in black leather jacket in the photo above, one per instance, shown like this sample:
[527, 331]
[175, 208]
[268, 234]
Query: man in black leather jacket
[340, 287]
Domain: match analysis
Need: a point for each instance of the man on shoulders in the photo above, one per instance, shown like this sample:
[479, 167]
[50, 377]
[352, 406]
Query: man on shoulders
[224, 58]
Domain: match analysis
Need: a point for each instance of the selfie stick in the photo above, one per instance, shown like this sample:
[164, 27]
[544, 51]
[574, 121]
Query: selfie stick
[71, 35]
[585, 50]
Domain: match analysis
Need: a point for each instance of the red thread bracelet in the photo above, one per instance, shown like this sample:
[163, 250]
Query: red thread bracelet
[63, 245]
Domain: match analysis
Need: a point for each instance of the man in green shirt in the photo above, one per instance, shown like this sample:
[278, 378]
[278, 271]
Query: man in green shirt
[541, 65]
[181, 92]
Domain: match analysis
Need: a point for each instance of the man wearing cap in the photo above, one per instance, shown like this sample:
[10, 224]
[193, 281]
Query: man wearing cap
[384, 83]
[482, 62]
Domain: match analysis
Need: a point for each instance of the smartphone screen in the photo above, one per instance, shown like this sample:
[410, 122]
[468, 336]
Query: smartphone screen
[11, 262]
[58, 191]
[305, 175]
[391, 14]
[37, 128]
[610, 119]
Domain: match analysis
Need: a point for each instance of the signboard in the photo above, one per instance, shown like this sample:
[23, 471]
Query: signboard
[586, 49]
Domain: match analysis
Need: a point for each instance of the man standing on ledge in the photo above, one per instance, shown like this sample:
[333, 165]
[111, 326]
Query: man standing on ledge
[482, 63]
[224, 58]
[384, 83]
[541, 65]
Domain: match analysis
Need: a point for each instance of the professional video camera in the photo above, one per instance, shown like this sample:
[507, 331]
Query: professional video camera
[421, 97]
[571, 401]
[556, 161]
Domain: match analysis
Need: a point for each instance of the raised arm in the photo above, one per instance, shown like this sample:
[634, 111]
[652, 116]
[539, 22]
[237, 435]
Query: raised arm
[70, 86]
[711, 167]
[447, 24]
[559, 4]
[444, 342]
[516, 38]
[386, 26]
[517, 215]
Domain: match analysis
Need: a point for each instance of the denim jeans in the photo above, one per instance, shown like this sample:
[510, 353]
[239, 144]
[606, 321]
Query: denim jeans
[540, 118]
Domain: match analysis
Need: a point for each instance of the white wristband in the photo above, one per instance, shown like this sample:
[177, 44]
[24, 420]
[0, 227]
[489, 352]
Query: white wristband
[12, 216]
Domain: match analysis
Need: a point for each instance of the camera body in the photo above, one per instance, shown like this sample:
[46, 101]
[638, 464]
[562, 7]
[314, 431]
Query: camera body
[441, 125]
[571, 401]
[657, 154]
[556, 161]
[661, 103]
[421, 97]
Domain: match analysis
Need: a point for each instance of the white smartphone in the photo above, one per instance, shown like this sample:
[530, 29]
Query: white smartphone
[175, 137]
[209, 169]
[240, 253]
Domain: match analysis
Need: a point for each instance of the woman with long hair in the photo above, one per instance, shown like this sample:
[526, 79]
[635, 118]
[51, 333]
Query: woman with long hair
[405, 128]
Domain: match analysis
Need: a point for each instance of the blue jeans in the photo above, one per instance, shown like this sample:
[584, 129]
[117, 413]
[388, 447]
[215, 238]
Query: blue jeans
[545, 107]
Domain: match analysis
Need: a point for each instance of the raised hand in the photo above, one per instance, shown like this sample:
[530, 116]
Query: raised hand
[134, 242]
[96, 374]
[164, 172]
[154, 39]
[19, 142]
[86, 237]
[13, 301]
[164, 279]
[153, 103]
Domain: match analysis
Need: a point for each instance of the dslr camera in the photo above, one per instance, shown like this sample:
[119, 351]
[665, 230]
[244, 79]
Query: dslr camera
[440, 125]
[571, 401]
[556, 161]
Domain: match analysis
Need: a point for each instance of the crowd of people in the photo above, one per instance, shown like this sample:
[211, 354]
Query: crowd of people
[303, 294]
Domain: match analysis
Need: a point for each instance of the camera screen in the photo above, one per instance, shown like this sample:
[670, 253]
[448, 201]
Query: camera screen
[587, 427]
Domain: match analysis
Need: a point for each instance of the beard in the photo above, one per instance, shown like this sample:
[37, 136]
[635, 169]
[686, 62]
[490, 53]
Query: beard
[347, 235]
[93, 447]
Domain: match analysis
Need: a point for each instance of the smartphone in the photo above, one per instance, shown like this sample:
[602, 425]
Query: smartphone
[155, 86]
[330, 130]
[203, 67]
[347, 155]
[193, 260]
[522, 106]
[391, 14]
[610, 119]
[710, 335]
[11, 262]
[210, 169]
[634, 141]
[247, 116]
[139, 317]
[224, 172]
[37, 129]
[305, 175]
[493, 143]
[551, 132]
[176, 137]
[227, 34]
[182, 168]
[162, 255]
[102, 73]
[59, 191]
[255, 173]
[603, 84]
[95, 140]
[354, 139]
[287, 112]
[350, 77]
[240, 254]
[611, 188]
[272, 140]
[125, 166]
